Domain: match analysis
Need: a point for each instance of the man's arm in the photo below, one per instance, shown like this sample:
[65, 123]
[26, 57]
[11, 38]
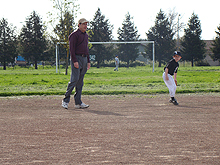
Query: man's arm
[72, 46]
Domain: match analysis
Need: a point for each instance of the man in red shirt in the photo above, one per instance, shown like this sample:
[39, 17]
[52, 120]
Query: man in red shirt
[80, 63]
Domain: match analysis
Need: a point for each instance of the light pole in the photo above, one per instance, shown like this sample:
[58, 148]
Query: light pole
[178, 37]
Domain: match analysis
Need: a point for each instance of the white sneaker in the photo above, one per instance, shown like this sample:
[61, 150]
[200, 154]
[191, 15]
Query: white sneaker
[64, 105]
[83, 105]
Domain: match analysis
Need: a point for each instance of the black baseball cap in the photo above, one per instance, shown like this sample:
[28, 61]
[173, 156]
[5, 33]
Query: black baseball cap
[177, 53]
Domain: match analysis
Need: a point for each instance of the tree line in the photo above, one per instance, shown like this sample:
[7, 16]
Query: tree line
[35, 44]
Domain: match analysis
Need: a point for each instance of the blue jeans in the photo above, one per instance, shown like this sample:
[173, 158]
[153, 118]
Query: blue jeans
[76, 80]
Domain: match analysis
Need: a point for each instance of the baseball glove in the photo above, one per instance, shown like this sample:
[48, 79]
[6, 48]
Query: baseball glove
[175, 82]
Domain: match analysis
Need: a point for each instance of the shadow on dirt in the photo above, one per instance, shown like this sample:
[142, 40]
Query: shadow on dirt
[103, 112]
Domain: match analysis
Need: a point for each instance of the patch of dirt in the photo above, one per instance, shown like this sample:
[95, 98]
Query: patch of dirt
[121, 129]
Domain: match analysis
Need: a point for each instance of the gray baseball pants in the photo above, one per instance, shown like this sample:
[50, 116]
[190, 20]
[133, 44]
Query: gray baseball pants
[76, 80]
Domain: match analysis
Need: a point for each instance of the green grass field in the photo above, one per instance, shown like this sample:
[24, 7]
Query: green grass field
[104, 81]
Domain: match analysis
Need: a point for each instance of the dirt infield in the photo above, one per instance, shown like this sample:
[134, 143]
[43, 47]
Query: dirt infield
[130, 129]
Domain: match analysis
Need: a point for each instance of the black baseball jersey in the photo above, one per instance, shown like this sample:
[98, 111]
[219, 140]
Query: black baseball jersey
[172, 67]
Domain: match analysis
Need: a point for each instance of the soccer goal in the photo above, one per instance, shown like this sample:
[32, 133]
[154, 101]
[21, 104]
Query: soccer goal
[125, 42]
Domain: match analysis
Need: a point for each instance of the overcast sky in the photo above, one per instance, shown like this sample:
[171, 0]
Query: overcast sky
[143, 12]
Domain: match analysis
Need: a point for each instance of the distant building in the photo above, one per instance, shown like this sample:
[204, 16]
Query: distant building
[20, 61]
[141, 49]
[209, 52]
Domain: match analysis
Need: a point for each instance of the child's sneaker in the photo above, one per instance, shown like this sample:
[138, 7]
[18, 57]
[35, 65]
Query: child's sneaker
[173, 101]
[64, 105]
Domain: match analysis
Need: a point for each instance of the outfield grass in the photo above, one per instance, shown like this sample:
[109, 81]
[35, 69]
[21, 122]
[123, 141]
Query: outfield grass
[137, 80]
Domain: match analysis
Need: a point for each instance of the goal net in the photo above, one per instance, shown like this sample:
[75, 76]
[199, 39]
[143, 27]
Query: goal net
[115, 43]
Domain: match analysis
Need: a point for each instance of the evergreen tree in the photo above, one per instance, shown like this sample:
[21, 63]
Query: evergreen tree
[101, 32]
[162, 34]
[50, 52]
[8, 43]
[128, 32]
[216, 46]
[193, 47]
[32, 40]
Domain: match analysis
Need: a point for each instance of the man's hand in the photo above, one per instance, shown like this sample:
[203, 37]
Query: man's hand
[88, 66]
[76, 65]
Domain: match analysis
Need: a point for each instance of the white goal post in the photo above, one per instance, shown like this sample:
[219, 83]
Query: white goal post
[126, 42]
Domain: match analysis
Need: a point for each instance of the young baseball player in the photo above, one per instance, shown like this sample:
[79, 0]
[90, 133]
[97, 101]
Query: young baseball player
[116, 63]
[170, 71]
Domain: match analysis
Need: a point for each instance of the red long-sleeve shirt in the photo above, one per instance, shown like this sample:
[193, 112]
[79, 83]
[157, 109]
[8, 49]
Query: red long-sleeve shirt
[78, 43]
